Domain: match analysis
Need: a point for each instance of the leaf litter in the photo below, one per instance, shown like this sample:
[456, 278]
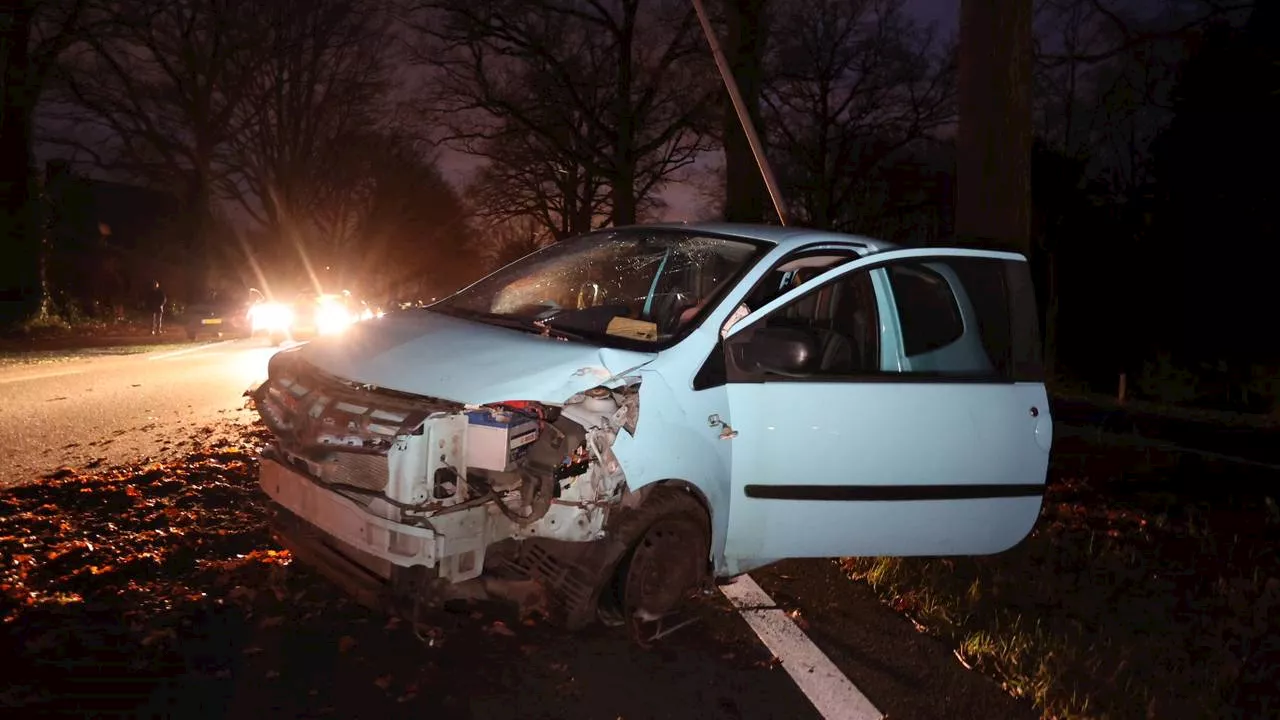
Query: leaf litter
[156, 589]
[146, 573]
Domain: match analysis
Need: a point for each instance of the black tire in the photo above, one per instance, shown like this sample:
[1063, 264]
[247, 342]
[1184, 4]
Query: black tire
[665, 561]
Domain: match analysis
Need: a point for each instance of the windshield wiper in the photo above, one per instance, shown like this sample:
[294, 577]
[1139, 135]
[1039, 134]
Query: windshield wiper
[515, 322]
[551, 330]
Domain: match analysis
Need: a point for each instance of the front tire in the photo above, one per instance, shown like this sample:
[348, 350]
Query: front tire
[665, 566]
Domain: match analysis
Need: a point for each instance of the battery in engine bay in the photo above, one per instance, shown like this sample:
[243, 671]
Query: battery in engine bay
[496, 439]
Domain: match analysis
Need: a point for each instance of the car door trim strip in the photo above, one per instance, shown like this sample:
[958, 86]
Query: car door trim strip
[893, 493]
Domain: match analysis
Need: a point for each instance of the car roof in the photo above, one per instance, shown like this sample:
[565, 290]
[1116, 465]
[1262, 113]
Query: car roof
[787, 238]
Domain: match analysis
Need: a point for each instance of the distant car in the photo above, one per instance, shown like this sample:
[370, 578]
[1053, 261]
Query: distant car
[309, 316]
[218, 318]
[626, 415]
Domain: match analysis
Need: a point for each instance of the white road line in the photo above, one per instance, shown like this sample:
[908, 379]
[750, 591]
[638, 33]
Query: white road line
[41, 376]
[818, 678]
[184, 351]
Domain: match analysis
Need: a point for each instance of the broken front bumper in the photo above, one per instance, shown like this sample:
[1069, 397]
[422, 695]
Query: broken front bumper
[524, 578]
[454, 543]
[309, 545]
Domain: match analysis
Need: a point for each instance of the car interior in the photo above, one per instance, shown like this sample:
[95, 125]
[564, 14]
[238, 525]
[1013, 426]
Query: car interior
[840, 317]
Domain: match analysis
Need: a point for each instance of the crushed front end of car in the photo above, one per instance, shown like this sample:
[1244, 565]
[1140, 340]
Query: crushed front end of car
[409, 501]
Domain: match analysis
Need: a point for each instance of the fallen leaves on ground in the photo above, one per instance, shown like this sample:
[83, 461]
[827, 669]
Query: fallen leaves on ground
[156, 589]
[157, 571]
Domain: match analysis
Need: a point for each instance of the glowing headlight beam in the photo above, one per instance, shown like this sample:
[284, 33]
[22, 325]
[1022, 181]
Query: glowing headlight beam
[332, 318]
[271, 317]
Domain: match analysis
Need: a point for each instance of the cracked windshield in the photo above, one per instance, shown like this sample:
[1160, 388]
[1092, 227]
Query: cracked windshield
[619, 288]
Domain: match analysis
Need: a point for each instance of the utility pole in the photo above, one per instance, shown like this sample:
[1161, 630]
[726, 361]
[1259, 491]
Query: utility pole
[744, 117]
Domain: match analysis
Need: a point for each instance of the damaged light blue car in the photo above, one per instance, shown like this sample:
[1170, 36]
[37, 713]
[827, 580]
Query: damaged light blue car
[603, 428]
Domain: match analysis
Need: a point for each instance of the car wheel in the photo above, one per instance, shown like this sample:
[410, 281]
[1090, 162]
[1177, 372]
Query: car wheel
[665, 566]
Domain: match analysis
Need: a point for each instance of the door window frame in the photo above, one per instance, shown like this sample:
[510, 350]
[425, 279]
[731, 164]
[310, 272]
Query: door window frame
[893, 359]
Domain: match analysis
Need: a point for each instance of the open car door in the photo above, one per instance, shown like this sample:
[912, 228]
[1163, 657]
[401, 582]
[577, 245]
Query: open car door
[893, 405]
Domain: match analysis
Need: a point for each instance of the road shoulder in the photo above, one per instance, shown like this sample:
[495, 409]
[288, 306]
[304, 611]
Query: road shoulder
[905, 672]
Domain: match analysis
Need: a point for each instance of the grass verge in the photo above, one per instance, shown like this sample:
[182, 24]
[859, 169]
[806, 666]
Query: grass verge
[1133, 597]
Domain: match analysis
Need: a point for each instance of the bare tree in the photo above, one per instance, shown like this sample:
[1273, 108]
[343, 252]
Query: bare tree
[614, 90]
[505, 241]
[527, 177]
[153, 95]
[387, 219]
[33, 35]
[225, 99]
[1169, 20]
[851, 85]
[1103, 76]
[323, 79]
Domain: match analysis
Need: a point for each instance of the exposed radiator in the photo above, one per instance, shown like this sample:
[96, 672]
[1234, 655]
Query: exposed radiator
[366, 471]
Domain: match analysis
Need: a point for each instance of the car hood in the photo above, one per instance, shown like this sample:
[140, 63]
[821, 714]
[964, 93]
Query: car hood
[435, 355]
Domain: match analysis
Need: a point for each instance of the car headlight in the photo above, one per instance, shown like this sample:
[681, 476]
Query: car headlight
[271, 317]
[332, 319]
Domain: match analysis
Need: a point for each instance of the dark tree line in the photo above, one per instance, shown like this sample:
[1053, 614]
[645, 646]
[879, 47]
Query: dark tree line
[1149, 178]
[1108, 142]
[580, 113]
[275, 126]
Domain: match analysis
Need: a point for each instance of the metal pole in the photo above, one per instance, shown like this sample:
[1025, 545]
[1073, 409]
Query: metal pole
[741, 109]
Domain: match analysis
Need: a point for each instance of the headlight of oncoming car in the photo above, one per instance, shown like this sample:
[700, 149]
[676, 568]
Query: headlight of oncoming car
[271, 317]
[332, 318]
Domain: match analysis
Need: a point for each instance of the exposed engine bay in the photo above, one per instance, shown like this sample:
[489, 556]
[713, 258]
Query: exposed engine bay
[433, 491]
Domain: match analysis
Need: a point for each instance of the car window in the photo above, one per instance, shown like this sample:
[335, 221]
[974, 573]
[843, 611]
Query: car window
[927, 309]
[956, 317]
[794, 271]
[966, 316]
[842, 320]
[634, 288]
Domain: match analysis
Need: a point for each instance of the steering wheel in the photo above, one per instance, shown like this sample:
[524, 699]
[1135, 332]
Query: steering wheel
[589, 295]
[667, 308]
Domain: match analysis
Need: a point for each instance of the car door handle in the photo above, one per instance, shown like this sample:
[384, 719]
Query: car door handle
[726, 432]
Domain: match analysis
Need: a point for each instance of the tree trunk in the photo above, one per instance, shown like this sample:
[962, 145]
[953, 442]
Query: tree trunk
[746, 199]
[200, 228]
[19, 231]
[623, 182]
[993, 147]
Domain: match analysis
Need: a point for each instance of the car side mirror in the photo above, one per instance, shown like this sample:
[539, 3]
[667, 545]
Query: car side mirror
[781, 350]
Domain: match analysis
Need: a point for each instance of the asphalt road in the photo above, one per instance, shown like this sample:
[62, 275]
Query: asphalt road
[79, 410]
[84, 412]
